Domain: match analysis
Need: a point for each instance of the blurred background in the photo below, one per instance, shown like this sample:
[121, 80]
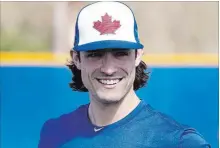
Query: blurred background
[181, 51]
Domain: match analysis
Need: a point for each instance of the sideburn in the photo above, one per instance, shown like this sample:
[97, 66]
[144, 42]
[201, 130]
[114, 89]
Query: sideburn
[78, 54]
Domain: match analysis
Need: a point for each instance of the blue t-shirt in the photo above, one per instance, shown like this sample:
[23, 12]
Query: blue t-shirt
[144, 127]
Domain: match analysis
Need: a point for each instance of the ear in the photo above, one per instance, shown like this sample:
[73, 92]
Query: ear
[75, 57]
[140, 53]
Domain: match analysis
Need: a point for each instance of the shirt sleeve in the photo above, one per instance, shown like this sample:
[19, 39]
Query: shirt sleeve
[190, 138]
[46, 135]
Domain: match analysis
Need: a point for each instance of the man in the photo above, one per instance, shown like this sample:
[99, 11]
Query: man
[106, 62]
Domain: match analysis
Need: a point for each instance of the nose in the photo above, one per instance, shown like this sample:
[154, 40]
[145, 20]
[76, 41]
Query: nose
[108, 64]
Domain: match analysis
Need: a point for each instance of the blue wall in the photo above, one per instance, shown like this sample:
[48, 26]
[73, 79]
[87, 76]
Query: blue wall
[31, 95]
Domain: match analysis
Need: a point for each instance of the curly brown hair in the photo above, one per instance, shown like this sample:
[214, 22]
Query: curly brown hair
[141, 76]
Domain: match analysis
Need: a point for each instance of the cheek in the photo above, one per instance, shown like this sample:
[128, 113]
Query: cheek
[86, 77]
[90, 64]
[128, 65]
[88, 68]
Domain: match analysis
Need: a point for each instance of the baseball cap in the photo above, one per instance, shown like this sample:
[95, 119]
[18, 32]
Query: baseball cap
[102, 25]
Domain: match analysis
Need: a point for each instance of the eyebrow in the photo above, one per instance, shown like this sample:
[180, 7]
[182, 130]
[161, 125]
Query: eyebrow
[112, 49]
[98, 50]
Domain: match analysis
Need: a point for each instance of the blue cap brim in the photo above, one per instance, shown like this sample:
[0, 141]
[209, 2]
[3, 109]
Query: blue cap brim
[108, 44]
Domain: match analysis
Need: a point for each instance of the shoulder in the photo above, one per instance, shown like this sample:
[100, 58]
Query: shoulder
[160, 121]
[185, 135]
[191, 138]
[56, 130]
[171, 132]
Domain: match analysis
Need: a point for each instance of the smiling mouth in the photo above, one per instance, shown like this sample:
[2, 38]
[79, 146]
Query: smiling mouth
[109, 81]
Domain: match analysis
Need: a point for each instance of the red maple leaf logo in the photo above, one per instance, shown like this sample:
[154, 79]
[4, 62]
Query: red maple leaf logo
[107, 26]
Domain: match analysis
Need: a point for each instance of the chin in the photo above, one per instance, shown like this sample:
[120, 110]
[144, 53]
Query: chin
[109, 99]
[110, 95]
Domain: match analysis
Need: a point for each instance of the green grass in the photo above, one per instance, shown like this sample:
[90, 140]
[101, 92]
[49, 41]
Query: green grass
[25, 40]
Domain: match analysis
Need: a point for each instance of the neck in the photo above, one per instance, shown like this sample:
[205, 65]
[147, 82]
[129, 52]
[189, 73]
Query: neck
[104, 114]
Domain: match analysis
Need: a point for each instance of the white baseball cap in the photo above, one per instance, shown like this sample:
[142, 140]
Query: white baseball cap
[104, 25]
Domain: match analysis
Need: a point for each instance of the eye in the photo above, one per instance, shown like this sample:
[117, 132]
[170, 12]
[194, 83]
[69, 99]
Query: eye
[121, 53]
[94, 54]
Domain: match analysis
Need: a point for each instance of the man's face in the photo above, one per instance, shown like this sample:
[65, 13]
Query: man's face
[108, 74]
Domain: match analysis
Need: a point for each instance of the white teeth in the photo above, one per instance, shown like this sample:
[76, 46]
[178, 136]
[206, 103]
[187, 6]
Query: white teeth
[109, 82]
